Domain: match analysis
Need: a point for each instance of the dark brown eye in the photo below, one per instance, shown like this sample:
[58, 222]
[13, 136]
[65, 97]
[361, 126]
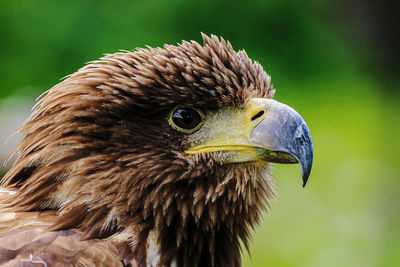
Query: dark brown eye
[186, 119]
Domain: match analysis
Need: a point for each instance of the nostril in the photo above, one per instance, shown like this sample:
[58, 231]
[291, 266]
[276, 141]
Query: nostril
[258, 115]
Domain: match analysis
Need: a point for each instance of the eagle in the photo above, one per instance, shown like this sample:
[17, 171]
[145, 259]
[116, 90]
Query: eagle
[153, 157]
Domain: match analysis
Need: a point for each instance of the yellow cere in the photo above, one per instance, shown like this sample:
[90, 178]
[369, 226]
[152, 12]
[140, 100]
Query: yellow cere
[229, 130]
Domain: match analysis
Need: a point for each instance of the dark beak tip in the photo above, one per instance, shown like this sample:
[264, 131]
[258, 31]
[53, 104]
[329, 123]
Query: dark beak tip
[307, 155]
[305, 173]
[305, 179]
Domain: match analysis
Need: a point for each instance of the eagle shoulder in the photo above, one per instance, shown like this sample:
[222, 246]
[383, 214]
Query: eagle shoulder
[26, 241]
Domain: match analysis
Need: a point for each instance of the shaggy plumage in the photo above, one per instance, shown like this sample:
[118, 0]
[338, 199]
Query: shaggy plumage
[103, 179]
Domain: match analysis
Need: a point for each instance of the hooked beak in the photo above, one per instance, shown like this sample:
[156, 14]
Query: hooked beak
[265, 130]
[284, 135]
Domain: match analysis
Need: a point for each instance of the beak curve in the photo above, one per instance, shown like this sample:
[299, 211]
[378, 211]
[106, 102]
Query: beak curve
[284, 135]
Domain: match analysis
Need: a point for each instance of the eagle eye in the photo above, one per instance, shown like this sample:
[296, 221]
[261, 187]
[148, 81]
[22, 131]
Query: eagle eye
[186, 119]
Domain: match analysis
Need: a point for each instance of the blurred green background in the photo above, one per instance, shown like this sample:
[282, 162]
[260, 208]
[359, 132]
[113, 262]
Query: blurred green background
[336, 62]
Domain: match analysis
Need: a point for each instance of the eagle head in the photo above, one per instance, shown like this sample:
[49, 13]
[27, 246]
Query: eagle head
[165, 152]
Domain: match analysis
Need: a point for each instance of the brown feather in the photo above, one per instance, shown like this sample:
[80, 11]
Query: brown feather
[100, 168]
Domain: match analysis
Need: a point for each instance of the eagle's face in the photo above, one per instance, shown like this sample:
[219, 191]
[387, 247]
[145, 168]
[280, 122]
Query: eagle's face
[175, 141]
